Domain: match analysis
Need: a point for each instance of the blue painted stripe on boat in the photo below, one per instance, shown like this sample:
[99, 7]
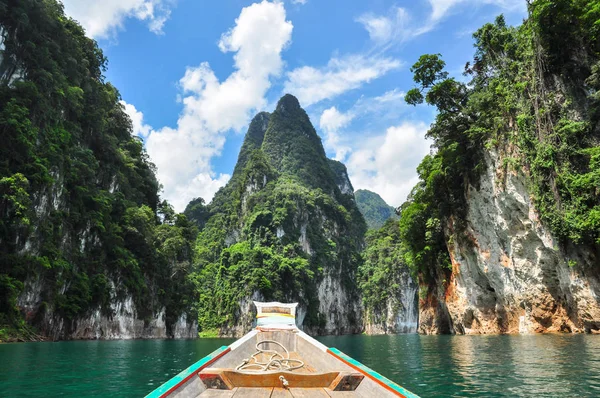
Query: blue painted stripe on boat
[373, 373]
[160, 391]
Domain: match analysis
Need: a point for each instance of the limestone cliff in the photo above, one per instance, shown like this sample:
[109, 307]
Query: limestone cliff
[503, 227]
[400, 312]
[286, 227]
[509, 275]
[389, 288]
[87, 247]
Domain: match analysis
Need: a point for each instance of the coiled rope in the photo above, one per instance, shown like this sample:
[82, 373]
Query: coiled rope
[275, 362]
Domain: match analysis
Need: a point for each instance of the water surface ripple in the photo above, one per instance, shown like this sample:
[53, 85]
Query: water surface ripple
[483, 366]
[431, 366]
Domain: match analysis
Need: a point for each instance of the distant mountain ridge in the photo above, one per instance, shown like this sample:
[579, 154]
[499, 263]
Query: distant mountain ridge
[373, 208]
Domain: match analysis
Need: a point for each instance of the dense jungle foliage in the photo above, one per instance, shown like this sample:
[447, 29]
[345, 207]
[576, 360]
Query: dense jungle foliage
[80, 214]
[278, 226]
[83, 226]
[533, 97]
[382, 268]
[373, 208]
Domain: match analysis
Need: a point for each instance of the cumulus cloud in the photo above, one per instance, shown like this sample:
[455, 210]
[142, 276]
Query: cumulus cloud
[212, 107]
[102, 19]
[331, 121]
[387, 164]
[341, 74]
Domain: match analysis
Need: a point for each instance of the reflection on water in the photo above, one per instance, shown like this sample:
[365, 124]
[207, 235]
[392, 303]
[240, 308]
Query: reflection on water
[431, 366]
[483, 366]
[126, 368]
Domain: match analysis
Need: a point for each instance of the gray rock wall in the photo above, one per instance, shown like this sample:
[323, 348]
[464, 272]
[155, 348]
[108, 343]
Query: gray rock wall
[401, 313]
[123, 323]
[510, 274]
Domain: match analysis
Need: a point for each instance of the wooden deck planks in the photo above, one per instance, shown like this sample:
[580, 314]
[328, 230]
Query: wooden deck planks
[292, 355]
[226, 378]
[253, 392]
[308, 393]
[306, 368]
[218, 393]
[281, 393]
[258, 392]
[341, 394]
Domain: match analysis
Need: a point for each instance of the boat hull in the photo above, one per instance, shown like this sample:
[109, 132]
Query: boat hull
[327, 372]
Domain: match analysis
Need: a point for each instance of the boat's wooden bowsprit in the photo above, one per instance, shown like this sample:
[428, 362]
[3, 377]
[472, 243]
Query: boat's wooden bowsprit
[278, 360]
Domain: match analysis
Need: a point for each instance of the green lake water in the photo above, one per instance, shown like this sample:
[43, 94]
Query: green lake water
[431, 366]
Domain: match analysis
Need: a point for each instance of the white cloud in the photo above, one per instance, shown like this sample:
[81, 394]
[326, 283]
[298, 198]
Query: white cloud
[380, 28]
[392, 98]
[331, 121]
[399, 26]
[211, 108]
[140, 129]
[102, 19]
[311, 85]
[441, 8]
[387, 164]
[299, 1]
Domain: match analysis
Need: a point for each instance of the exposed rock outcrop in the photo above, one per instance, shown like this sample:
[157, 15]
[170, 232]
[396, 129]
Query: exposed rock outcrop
[401, 313]
[121, 321]
[510, 275]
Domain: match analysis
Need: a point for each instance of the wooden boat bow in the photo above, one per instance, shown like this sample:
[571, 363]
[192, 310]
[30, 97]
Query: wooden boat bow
[275, 342]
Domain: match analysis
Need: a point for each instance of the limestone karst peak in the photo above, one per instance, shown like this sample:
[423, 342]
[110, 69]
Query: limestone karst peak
[287, 103]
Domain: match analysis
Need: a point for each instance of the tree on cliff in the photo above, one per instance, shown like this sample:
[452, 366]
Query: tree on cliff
[534, 88]
[79, 198]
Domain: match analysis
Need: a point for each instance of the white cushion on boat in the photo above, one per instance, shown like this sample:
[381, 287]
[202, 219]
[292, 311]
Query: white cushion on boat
[275, 315]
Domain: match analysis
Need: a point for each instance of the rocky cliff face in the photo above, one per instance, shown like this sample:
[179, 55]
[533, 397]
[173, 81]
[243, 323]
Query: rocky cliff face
[400, 313]
[118, 317]
[121, 320]
[286, 227]
[389, 288]
[509, 275]
[87, 247]
[341, 178]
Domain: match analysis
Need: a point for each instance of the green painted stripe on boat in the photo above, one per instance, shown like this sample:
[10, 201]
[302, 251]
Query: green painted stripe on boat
[373, 373]
[185, 373]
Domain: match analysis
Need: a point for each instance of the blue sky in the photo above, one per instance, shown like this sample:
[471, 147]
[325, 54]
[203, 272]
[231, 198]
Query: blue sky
[193, 73]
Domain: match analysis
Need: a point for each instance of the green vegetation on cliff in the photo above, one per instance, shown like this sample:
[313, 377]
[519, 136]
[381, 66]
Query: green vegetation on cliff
[80, 215]
[533, 98]
[373, 208]
[383, 264]
[278, 226]
[292, 146]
